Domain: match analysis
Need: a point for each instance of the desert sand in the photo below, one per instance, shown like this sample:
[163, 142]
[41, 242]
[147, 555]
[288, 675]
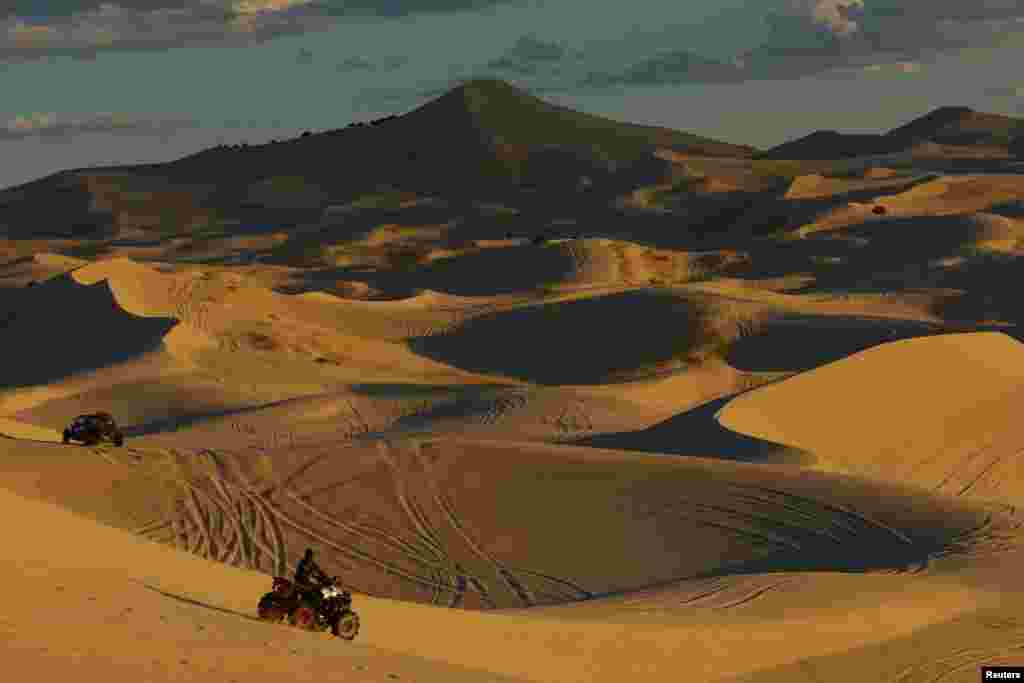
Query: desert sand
[747, 428]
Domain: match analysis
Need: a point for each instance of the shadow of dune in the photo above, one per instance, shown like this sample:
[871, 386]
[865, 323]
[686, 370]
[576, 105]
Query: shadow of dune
[191, 418]
[576, 342]
[60, 328]
[697, 433]
[795, 342]
[892, 241]
[499, 271]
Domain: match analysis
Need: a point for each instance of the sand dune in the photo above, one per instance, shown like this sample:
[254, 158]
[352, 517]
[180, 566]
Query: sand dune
[943, 196]
[815, 186]
[62, 327]
[555, 340]
[37, 267]
[948, 423]
[786, 449]
[923, 236]
[695, 432]
[16, 429]
[123, 585]
[565, 264]
[112, 590]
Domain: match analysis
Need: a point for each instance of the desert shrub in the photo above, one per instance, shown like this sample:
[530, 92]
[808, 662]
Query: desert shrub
[262, 341]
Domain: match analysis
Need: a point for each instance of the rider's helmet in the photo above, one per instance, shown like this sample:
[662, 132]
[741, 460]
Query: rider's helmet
[308, 557]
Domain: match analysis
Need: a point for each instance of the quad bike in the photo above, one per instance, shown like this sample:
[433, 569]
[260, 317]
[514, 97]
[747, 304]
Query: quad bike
[329, 608]
[93, 428]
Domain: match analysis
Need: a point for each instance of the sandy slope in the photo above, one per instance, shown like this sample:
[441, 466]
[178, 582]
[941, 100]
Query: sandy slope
[949, 422]
[123, 586]
[542, 464]
[564, 264]
[94, 603]
[947, 195]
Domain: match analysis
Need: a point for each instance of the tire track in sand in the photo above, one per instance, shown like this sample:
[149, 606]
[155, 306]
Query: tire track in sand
[521, 592]
[942, 669]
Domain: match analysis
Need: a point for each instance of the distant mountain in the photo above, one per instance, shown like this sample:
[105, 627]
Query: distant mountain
[482, 136]
[483, 130]
[831, 144]
[960, 126]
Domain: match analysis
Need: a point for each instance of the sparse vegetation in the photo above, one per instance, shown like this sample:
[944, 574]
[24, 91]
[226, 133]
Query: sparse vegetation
[385, 198]
[89, 250]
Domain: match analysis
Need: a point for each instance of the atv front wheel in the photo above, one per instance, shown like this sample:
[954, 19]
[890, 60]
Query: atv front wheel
[66, 437]
[347, 626]
[304, 617]
[270, 609]
[119, 439]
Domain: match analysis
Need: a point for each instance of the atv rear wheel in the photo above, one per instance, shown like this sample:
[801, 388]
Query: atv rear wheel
[119, 439]
[66, 437]
[347, 626]
[304, 617]
[270, 609]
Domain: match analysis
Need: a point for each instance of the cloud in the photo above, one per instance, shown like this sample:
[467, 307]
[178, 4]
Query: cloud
[81, 28]
[402, 8]
[851, 39]
[894, 68]
[360, 64]
[257, 6]
[838, 17]
[806, 37]
[530, 55]
[42, 11]
[670, 68]
[1010, 91]
[51, 125]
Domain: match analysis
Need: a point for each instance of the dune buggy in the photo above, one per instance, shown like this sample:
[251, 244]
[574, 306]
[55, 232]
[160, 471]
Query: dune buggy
[94, 428]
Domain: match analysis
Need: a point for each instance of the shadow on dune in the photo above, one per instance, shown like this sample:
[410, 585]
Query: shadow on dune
[583, 341]
[887, 549]
[392, 390]
[500, 271]
[891, 242]
[697, 433]
[188, 418]
[853, 542]
[380, 285]
[801, 342]
[61, 328]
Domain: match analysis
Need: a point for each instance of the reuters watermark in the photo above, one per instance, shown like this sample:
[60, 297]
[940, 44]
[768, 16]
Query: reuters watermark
[1002, 673]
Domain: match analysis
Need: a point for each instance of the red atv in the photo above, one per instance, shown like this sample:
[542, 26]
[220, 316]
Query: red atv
[328, 608]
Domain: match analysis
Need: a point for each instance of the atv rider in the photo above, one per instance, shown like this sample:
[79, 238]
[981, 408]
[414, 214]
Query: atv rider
[307, 574]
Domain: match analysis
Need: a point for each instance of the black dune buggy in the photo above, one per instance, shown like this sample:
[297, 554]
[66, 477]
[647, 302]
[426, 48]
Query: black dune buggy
[93, 428]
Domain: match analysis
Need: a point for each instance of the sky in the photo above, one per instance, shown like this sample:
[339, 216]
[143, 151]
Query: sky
[90, 82]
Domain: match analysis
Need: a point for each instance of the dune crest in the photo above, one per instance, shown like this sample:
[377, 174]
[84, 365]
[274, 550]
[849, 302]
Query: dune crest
[956, 395]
